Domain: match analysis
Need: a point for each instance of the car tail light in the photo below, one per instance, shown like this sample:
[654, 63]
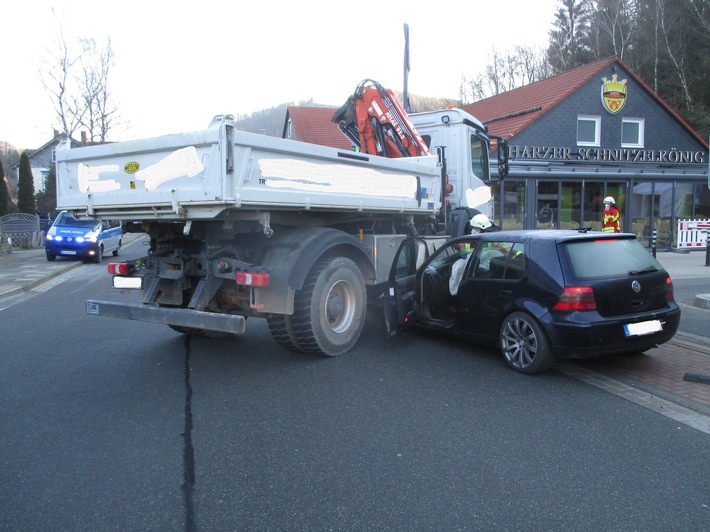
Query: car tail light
[252, 279]
[669, 289]
[576, 298]
[120, 268]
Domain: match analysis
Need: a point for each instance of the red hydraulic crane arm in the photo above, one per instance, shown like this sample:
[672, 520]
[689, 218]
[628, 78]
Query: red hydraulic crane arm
[377, 124]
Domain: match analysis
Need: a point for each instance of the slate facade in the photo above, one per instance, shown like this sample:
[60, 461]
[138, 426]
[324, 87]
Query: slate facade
[567, 152]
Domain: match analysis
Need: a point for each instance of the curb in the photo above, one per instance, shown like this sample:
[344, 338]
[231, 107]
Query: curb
[702, 301]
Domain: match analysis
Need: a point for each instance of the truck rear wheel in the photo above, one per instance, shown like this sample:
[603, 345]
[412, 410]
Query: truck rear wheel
[281, 329]
[330, 309]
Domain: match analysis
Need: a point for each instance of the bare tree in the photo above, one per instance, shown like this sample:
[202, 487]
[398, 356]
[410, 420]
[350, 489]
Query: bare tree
[670, 27]
[58, 82]
[614, 22]
[78, 85]
[101, 113]
[701, 8]
[505, 71]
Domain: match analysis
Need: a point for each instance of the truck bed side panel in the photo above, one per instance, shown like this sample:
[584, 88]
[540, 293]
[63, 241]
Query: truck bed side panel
[198, 175]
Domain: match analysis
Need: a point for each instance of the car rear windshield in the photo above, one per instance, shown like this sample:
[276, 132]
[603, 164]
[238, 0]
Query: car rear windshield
[592, 259]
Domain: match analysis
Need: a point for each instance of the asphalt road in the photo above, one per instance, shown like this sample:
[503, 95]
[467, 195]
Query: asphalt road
[111, 424]
[693, 320]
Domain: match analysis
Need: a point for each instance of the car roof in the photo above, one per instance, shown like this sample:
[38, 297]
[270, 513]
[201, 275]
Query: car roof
[555, 235]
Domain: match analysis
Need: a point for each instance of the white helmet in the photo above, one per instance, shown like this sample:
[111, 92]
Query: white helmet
[480, 221]
[609, 199]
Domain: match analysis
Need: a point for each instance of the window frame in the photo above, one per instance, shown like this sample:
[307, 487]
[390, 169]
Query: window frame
[597, 120]
[641, 122]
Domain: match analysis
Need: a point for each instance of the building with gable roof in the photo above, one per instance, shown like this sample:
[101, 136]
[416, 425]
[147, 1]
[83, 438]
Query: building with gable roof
[42, 159]
[596, 131]
[314, 125]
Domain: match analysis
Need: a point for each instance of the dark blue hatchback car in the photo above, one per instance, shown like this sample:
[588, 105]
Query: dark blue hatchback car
[538, 295]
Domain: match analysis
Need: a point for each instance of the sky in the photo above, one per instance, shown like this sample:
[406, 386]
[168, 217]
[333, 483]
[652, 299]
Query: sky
[178, 64]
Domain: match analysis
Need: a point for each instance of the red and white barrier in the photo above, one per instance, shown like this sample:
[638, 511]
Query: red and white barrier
[692, 234]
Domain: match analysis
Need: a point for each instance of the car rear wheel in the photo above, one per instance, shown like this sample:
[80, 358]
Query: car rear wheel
[524, 345]
[117, 251]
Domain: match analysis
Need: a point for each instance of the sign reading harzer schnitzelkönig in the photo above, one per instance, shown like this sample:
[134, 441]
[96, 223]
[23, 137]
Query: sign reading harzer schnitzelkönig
[625, 155]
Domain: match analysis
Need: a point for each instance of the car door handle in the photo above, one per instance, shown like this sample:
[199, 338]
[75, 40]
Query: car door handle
[505, 293]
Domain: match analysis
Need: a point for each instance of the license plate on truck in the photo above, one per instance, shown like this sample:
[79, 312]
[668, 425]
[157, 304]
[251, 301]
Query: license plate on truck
[641, 328]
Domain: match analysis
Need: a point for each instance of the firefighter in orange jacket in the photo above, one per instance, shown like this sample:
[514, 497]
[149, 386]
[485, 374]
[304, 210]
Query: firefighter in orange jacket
[611, 217]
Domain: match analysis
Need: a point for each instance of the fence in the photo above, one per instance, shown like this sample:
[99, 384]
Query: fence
[692, 234]
[20, 230]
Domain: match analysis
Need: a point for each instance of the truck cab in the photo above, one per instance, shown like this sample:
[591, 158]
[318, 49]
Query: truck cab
[464, 148]
[461, 141]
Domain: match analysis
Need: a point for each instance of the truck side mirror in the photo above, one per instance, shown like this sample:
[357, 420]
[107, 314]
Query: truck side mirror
[502, 157]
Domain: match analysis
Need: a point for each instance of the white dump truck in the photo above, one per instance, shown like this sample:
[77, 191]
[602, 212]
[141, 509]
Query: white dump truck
[242, 225]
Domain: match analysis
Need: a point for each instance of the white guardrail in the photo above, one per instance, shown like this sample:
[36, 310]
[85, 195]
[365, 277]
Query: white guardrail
[692, 234]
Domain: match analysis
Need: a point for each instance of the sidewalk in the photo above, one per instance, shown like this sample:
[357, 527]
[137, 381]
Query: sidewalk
[661, 371]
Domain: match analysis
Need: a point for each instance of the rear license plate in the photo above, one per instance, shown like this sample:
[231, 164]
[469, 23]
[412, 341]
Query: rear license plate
[67, 252]
[644, 327]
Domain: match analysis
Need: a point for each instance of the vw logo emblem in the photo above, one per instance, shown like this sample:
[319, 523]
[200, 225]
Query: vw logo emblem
[636, 286]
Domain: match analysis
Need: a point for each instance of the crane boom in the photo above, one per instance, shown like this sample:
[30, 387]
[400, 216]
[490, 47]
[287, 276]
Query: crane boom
[377, 124]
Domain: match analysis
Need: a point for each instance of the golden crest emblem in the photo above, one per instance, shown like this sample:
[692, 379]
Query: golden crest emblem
[613, 94]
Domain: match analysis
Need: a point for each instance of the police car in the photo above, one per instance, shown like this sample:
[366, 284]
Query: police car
[86, 239]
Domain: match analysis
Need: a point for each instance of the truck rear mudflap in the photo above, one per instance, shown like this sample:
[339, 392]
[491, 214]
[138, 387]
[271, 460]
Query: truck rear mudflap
[193, 319]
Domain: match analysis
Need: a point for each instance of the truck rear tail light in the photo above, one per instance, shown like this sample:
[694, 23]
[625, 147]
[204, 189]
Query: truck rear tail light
[120, 268]
[576, 298]
[252, 279]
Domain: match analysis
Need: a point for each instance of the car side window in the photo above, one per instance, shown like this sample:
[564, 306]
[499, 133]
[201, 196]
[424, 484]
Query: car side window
[500, 260]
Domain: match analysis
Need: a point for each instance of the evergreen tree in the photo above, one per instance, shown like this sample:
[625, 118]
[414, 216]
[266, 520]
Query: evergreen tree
[570, 37]
[25, 187]
[4, 193]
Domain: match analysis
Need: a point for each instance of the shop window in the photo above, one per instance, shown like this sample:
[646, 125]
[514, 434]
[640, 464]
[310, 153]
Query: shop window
[588, 130]
[570, 210]
[592, 206]
[632, 130]
[547, 204]
[513, 204]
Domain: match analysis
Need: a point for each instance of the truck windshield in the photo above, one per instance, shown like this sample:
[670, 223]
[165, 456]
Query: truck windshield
[479, 157]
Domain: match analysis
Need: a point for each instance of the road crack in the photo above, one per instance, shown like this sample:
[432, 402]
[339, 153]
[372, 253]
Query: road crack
[188, 453]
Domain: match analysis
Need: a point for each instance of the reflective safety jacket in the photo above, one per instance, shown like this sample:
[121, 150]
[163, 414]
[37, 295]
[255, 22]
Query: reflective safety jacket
[610, 220]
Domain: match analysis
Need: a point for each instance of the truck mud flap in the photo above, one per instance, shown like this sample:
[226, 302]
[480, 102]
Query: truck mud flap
[170, 316]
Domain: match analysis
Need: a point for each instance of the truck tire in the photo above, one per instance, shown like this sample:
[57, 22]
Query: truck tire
[281, 329]
[330, 309]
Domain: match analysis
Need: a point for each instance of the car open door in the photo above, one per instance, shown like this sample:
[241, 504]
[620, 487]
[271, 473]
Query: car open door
[400, 301]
